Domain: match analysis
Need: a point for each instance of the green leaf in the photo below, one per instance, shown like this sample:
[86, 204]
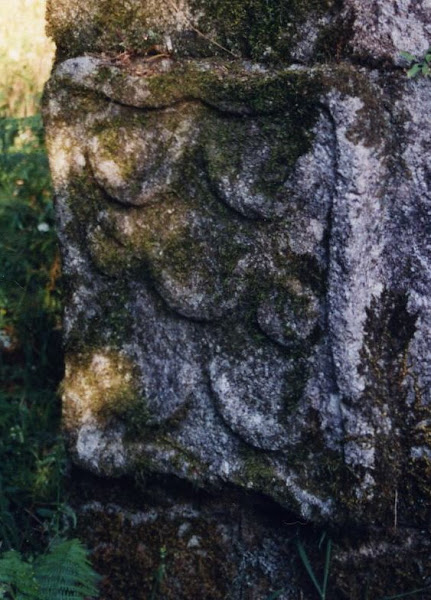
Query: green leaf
[415, 70]
[426, 70]
[408, 56]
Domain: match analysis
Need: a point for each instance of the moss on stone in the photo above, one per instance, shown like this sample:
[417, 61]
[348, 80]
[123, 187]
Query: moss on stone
[257, 28]
[371, 126]
[256, 472]
[333, 42]
[109, 256]
[104, 383]
[389, 331]
[129, 553]
[101, 25]
[250, 28]
[294, 94]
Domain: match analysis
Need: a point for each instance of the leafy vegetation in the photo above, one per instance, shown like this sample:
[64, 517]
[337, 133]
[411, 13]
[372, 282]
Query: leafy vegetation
[31, 450]
[34, 515]
[418, 66]
[62, 573]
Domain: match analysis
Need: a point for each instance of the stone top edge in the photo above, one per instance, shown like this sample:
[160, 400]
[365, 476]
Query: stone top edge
[238, 86]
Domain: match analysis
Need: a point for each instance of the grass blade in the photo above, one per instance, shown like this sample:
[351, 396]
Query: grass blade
[306, 562]
[406, 594]
[326, 571]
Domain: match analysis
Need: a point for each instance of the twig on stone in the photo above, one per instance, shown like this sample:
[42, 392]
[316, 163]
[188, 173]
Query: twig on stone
[190, 24]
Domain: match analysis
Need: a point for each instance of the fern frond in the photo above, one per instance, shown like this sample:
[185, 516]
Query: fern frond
[65, 573]
[17, 578]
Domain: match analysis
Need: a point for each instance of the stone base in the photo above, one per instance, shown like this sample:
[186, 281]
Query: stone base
[164, 539]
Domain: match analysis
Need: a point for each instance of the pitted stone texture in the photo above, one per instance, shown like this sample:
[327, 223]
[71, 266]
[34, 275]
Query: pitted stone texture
[187, 248]
[384, 28]
[249, 244]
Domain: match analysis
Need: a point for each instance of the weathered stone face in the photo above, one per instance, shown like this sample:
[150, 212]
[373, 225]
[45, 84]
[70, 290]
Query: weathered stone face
[224, 236]
[202, 219]
[246, 252]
